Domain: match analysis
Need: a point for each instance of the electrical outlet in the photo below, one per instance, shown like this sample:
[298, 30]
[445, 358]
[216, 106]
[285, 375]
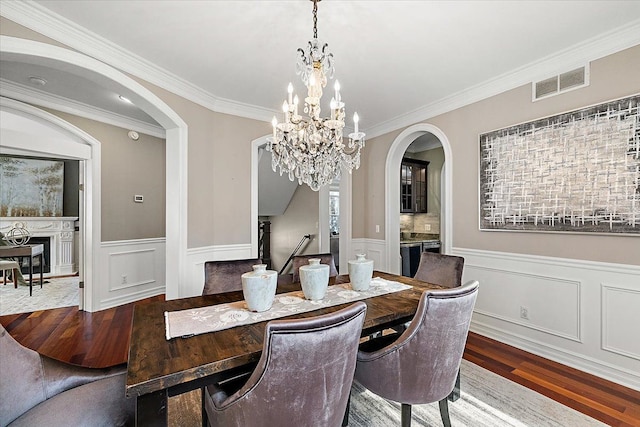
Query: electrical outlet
[377, 228]
[524, 312]
[427, 227]
[124, 279]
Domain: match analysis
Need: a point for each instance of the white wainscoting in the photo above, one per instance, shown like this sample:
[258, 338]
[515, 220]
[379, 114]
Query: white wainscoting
[374, 249]
[130, 270]
[196, 257]
[580, 313]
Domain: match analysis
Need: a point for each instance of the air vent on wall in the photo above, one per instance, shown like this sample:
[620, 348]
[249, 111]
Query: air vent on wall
[564, 82]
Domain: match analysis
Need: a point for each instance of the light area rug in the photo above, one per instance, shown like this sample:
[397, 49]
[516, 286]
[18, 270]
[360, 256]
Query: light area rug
[487, 400]
[55, 293]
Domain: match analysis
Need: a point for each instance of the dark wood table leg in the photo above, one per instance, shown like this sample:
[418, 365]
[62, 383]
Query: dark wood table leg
[151, 409]
[205, 417]
[41, 269]
[30, 275]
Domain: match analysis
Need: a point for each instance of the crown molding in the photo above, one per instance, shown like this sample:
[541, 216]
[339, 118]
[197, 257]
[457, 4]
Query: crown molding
[63, 30]
[573, 57]
[45, 22]
[32, 96]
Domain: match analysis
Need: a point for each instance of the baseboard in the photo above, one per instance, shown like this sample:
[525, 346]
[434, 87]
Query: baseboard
[598, 368]
[131, 297]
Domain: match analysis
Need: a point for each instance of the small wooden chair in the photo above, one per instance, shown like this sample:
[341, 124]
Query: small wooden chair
[13, 267]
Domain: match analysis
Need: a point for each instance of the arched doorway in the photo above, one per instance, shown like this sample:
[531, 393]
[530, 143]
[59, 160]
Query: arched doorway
[392, 191]
[176, 163]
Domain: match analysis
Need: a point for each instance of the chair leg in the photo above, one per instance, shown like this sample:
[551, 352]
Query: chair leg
[14, 276]
[444, 412]
[345, 419]
[455, 393]
[406, 415]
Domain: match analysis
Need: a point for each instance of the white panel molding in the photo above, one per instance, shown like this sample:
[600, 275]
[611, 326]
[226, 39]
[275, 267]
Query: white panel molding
[140, 259]
[375, 249]
[140, 262]
[196, 257]
[574, 322]
[632, 299]
[607, 325]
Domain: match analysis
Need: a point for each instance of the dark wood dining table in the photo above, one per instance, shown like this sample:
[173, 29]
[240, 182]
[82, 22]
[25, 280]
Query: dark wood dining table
[30, 251]
[159, 368]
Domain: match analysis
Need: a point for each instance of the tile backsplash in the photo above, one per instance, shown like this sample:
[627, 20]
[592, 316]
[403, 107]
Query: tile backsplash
[420, 223]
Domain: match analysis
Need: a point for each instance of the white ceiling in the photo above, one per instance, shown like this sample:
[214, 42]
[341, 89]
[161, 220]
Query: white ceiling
[394, 59]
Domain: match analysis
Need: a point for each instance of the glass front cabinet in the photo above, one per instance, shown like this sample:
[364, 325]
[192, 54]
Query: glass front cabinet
[413, 186]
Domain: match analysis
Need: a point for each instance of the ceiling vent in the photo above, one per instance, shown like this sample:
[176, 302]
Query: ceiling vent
[564, 82]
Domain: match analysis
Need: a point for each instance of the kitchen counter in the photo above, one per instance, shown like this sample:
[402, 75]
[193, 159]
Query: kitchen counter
[408, 238]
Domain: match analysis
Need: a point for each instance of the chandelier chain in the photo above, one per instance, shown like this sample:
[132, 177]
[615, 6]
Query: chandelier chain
[315, 19]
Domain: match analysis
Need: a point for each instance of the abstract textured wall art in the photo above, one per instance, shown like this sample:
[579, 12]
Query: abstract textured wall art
[573, 172]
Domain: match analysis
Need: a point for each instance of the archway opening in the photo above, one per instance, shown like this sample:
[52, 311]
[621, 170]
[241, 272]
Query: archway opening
[176, 165]
[392, 191]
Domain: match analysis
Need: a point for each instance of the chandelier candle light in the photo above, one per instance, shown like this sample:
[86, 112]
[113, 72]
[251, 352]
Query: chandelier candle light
[311, 148]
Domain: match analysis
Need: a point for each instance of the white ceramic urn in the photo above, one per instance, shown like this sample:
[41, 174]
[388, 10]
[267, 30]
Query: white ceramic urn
[314, 279]
[259, 287]
[360, 273]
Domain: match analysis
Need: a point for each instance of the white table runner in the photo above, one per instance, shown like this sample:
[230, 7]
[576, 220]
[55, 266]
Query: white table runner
[195, 321]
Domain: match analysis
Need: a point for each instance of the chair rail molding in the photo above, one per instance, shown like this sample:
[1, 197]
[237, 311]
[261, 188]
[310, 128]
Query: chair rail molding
[579, 313]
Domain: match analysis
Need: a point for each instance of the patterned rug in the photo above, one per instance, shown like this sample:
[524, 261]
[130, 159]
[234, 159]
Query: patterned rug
[487, 400]
[55, 293]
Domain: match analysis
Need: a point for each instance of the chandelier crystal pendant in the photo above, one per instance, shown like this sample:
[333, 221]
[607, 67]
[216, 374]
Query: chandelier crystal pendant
[311, 149]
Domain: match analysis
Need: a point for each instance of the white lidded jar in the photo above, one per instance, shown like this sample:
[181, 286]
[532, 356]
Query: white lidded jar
[314, 279]
[360, 273]
[259, 287]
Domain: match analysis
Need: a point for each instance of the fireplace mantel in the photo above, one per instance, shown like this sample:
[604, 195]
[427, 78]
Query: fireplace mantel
[61, 232]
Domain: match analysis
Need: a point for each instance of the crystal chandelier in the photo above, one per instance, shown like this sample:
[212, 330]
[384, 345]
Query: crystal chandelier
[312, 148]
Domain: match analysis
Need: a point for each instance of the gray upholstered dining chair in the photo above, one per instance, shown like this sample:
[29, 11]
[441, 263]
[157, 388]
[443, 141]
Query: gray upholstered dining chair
[443, 270]
[303, 377]
[440, 269]
[226, 276]
[37, 391]
[300, 260]
[420, 365]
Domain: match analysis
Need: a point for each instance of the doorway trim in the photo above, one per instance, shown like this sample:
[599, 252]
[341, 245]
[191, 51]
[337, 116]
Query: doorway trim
[176, 165]
[323, 214]
[392, 191]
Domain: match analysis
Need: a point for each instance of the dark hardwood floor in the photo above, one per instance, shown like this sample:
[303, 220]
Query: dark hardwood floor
[101, 339]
